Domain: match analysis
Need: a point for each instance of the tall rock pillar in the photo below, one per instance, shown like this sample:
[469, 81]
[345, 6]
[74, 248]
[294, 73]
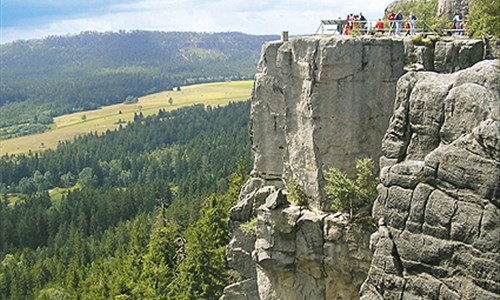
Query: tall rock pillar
[321, 102]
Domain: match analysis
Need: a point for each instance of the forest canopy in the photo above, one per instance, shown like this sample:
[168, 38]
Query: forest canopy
[140, 213]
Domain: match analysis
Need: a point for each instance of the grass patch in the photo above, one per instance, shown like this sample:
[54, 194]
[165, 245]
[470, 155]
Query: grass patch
[250, 228]
[13, 198]
[56, 194]
[67, 127]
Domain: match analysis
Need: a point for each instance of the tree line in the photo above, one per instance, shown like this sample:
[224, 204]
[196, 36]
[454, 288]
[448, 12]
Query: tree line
[145, 217]
[63, 74]
[173, 145]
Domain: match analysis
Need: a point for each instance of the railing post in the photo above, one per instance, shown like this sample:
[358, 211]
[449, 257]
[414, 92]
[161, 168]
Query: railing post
[284, 36]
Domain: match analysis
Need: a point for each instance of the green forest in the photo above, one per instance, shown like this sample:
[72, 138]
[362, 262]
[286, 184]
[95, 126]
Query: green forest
[141, 212]
[63, 74]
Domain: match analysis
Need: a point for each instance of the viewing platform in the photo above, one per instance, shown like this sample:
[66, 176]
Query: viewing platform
[338, 26]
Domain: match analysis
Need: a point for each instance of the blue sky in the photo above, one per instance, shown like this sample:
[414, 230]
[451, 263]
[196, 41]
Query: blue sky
[27, 19]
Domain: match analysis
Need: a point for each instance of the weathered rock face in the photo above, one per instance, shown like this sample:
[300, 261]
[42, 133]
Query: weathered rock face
[440, 190]
[320, 102]
[449, 8]
[296, 253]
[302, 254]
[447, 55]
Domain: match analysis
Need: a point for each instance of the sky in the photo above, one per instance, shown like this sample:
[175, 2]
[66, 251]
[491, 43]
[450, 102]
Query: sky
[28, 19]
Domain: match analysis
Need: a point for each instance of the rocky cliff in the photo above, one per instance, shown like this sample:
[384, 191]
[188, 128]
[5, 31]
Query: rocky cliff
[321, 102]
[318, 102]
[446, 55]
[438, 202]
[308, 92]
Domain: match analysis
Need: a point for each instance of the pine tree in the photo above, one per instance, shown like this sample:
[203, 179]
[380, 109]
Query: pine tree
[203, 273]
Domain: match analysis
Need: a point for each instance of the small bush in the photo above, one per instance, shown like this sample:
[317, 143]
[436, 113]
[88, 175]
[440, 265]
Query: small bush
[419, 40]
[434, 39]
[352, 195]
[296, 194]
[249, 228]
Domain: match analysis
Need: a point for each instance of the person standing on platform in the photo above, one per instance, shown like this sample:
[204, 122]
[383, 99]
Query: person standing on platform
[412, 19]
[362, 23]
[380, 26]
[391, 17]
[399, 20]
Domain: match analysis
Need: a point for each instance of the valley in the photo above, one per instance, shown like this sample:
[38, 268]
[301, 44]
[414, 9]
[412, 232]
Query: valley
[69, 126]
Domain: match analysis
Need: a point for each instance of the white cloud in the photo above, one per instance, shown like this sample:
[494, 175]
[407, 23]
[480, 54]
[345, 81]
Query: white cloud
[254, 17]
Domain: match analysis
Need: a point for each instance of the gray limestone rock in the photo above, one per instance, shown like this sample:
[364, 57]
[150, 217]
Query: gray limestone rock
[447, 55]
[439, 191]
[276, 200]
[298, 253]
[244, 290]
[457, 54]
[318, 102]
[304, 254]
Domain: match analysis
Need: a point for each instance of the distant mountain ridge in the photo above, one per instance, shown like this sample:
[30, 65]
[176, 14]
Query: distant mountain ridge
[60, 74]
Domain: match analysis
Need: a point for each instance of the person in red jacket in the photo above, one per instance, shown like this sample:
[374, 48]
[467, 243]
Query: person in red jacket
[391, 16]
[380, 26]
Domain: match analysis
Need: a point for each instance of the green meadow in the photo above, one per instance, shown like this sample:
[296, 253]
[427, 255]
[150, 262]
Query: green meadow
[67, 127]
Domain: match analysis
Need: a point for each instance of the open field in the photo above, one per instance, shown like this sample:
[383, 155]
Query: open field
[67, 127]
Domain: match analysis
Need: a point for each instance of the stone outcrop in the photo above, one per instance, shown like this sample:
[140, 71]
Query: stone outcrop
[304, 254]
[318, 102]
[297, 253]
[321, 102]
[447, 55]
[438, 202]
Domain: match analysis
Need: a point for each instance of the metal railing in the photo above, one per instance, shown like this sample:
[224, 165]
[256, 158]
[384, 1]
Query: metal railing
[369, 27]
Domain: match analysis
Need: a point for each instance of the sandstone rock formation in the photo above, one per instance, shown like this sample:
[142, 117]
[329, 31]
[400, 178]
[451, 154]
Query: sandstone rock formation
[308, 92]
[299, 253]
[447, 55]
[439, 195]
[321, 102]
[318, 102]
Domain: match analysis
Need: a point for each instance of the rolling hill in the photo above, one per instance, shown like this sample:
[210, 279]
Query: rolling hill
[45, 78]
[111, 117]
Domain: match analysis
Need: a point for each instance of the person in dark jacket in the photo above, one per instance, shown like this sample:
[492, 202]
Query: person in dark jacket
[399, 19]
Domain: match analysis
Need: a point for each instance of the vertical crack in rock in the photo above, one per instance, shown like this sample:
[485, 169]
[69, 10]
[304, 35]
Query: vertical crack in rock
[480, 223]
[407, 216]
